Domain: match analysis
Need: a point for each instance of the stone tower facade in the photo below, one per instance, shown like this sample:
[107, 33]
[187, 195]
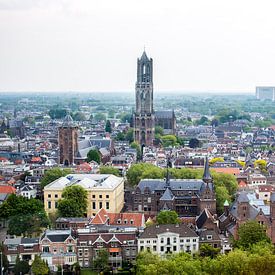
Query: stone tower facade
[144, 119]
[67, 141]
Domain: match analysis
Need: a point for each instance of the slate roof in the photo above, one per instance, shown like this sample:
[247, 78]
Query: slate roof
[164, 114]
[175, 184]
[56, 236]
[167, 195]
[154, 230]
[202, 218]
[206, 172]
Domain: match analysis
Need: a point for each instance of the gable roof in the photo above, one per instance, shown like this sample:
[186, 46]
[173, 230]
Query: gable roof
[7, 189]
[154, 230]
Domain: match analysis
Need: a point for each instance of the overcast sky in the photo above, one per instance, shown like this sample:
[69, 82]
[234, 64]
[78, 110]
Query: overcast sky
[92, 45]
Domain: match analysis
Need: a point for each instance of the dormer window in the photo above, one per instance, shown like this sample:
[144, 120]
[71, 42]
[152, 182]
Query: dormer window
[125, 221]
[119, 221]
[131, 222]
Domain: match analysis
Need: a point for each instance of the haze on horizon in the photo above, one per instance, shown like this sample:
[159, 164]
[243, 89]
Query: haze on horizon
[92, 45]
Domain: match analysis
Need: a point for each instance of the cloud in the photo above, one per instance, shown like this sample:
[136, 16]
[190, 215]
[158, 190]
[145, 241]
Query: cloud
[30, 4]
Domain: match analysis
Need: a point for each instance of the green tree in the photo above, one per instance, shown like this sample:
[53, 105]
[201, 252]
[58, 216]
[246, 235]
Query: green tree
[101, 262]
[169, 140]
[108, 127]
[207, 250]
[129, 136]
[28, 224]
[221, 196]
[168, 217]
[5, 263]
[74, 202]
[21, 267]
[159, 130]
[99, 117]
[203, 121]
[120, 136]
[249, 233]
[57, 113]
[136, 146]
[109, 170]
[93, 155]
[79, 116]
[39, 267]
[54, 174]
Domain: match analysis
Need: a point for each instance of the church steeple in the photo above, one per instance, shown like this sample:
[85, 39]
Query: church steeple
[144, 122]
[206, 173]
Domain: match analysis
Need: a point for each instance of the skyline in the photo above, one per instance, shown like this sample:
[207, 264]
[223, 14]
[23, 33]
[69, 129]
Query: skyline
[89, 46]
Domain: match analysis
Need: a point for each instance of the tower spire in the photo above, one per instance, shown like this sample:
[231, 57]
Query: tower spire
[206, 173]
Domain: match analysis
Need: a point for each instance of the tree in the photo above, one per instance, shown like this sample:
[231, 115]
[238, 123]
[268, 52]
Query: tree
[21, 267]
[249, 233]
[57, 113]
[54, 174]
[136, 146]
[221, 196]
[93, 155]
[159, 130]
[5, 262]
[74, 202]
[169, 140]
[194, 143]
[202, 121]
[101, 262]
[108, 127]
[39, 267]
[214, 160]
[28, 224]
[207, 250]
[168, 217]
[129, 136]
[99, 117]
[79, 116]
[109, 170]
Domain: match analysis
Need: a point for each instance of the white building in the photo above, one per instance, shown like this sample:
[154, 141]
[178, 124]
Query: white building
[168, 238]
[28, 191]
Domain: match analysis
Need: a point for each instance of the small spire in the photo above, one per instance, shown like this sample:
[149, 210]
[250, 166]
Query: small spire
[206, 173]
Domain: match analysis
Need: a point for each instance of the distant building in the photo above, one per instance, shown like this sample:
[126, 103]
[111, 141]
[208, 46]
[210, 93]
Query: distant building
[104, 191]
[188, 197]
[265, 93]
[166, 120]
[68, 141]
[144, 119]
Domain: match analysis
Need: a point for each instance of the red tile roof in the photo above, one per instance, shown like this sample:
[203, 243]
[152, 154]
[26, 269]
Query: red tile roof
[227, 170]
[7, 189]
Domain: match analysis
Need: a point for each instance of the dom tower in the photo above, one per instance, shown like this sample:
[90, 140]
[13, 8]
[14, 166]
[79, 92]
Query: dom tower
[144, 120]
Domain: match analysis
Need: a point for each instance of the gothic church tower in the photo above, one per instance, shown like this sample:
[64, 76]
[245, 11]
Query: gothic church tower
[144, 119]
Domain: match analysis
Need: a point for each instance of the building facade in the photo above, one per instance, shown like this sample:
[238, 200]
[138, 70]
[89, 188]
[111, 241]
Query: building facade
[104, 191]
[168, 238]
[68, 141]
[188, 197]
[265, 93]
[144, 119]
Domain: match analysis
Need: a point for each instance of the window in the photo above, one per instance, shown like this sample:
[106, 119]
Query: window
[56, 196]
[93, 196]
[46, 249]
[56, 204]
[194, 240]
[94, 205]
[148, 241]
[168, 240]
[131, 222]
[174, 248]
[100, 196]
[49, 195]
[125, 221]
[162, 248]
[209, 237]
[162, 240]
[107, 205]
[107, 196]
[154, 241]
[141, 241]
[49, 205]
[154, 248]
[141, 248]
[188, 240]
[100, 204]
[175, 239]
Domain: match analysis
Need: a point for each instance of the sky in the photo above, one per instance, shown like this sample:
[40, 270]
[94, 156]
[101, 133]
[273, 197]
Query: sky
[93, 45]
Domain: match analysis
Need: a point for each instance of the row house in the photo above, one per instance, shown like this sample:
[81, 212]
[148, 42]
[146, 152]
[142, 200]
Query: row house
[120, 244]
[25, 248]
[58, 248]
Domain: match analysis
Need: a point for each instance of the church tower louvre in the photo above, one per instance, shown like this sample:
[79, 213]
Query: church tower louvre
[144, 120]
